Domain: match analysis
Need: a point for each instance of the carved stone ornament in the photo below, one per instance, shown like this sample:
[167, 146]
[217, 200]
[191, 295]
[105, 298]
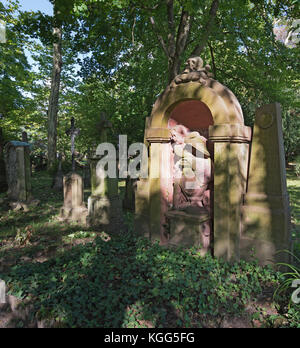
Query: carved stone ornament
[194, 71]
[265, 121]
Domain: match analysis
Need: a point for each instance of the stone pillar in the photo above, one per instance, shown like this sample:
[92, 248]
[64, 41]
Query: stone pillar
[142, 197]
[160, 183]
[154, 195]
[73, 208]
[266, 211]
[231, 151]
[142, 210]
[104, 205]
[18, 171]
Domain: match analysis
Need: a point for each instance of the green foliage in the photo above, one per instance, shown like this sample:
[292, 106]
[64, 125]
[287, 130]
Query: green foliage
[291, 131]
[82, 277]
[14, 68]
[113, 63]
[128, 64]
[283, 293]
[125, 281]
[287, 278]
[23, 236]
[293, 184]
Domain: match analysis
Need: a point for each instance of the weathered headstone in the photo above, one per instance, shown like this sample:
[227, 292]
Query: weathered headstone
[104, 205]
[18, 171]
[3, 183]
[266, 212]
[74, 208]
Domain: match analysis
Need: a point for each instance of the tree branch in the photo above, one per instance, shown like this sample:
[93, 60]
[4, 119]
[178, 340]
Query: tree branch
[248, 50]
[159, 37]
[171, 25]
[183, 32]
[180, 45]
[207, 28]
[213, 60]
[132, 31]
[148, 8]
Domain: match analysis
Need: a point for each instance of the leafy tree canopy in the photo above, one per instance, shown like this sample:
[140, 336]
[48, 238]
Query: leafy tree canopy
[119, 55]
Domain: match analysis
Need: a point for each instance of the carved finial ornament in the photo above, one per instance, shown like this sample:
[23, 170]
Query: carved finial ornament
[194, 71]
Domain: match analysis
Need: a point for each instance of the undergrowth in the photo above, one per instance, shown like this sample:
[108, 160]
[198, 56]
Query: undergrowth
[125, 281]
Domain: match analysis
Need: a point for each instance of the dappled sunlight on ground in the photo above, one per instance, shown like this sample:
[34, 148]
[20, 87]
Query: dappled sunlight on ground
[67, 275]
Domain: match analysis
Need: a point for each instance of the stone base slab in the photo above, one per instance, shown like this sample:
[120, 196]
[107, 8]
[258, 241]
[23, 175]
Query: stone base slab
[76, 214]
[186, 230]
[263, 250]
[266, 229]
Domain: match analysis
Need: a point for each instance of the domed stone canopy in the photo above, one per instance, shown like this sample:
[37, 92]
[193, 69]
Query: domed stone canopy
[205, 101]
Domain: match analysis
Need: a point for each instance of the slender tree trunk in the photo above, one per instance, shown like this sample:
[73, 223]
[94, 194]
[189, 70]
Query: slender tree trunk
[214, 69]
[54, 94]
[174, 67]
[207, 28]
[177, 40]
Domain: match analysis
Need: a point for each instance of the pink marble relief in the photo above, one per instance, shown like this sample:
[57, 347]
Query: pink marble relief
[192, 170]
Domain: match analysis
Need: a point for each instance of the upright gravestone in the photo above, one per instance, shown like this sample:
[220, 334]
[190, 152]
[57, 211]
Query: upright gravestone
[104, 205]
[266, 212]
[18, 171]
[3, 184]
[74, 208]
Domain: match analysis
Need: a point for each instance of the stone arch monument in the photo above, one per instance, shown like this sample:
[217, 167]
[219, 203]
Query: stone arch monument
[198, 110]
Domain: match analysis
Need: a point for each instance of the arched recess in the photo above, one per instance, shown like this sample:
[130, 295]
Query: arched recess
[222, 103]
[195, 116]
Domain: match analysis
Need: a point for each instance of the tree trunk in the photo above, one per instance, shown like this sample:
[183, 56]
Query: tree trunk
[54, 94]
[174, 68]
[207, 28]
[176, 43]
